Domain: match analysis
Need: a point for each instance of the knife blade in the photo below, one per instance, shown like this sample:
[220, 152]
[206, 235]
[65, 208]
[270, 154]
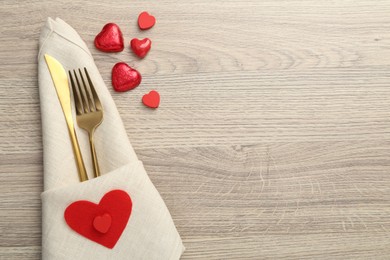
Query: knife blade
[61, 84]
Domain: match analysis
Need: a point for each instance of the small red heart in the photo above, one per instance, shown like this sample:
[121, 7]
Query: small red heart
[146, 21]
[152, 99]
[124, 77]
[102, 223]
[141, 47]
[83, 217]
[110, 39]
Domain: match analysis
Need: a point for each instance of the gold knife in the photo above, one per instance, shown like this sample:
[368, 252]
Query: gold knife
[60, 80]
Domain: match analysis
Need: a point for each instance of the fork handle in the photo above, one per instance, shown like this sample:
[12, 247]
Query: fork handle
[79, 158]
[94, 157]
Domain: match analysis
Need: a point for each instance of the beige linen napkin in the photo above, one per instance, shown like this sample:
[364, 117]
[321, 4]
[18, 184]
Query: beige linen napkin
[150, 232]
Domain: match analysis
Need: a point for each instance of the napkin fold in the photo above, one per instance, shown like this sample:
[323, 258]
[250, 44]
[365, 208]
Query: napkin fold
[150, 232]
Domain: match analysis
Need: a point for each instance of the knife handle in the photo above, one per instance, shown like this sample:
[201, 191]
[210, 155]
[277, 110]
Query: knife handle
[77, 153]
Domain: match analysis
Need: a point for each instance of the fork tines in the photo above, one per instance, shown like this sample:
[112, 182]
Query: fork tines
[86, 99]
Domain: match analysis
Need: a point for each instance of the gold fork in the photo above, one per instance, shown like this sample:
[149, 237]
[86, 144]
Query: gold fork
[89, 110]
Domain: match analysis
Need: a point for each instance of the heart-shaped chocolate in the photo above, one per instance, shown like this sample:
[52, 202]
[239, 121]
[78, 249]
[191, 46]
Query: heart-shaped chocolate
[102, 223]
[141, 47]
[124, 77]
[110, 39]
[146, 21]
[152, 99]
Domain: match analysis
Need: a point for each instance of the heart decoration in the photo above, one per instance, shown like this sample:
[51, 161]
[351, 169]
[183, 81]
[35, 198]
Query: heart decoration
[141, 47]
[110, 39]
[124, 77]
[152, 99]
[146, 21]
[102, 223]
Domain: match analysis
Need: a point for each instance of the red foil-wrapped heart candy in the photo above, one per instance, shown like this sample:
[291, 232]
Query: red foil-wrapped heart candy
[110, 39]
[124, 77]
[141, 47]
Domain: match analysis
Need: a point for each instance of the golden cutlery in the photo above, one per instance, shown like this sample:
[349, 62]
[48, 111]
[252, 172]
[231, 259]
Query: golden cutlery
[89, 110]
[60, 80]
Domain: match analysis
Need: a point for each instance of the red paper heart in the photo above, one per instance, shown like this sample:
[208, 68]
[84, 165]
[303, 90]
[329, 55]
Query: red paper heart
[124, 77]
[102, 223]
[141, 47]
[110, 39]
[146, 21]
[152, 99]
[82, 215]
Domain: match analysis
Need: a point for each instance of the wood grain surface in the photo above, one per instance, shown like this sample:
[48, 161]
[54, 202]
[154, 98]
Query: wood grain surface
[273, 135]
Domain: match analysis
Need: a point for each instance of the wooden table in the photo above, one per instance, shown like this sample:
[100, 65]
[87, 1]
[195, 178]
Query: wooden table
[273, 135]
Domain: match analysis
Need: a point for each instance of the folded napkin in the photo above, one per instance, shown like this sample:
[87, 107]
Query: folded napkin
[123, 190]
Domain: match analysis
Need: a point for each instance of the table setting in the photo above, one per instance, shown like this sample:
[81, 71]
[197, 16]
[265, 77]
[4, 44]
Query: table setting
[98, 202]
[194, 129]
